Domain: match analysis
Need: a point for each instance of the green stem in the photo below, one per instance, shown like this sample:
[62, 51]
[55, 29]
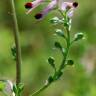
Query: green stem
[40, 90]
[67, 50]
[17, 44]
[68, 43]
[62, 64]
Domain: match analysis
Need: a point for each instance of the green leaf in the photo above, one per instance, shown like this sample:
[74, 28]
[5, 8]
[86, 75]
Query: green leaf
[78, 36]
[20, 87]
[51, 61]
[58, 45]
[55, 20]
[70, 62]
[60, 33]
[50, 79]
[13, 51]
[15, 89]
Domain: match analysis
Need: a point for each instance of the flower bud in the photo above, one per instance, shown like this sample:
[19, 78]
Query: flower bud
[38, 16]
[70, 62]
[75, 4]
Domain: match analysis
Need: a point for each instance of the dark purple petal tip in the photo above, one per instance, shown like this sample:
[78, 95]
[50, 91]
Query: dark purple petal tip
[75, 4]
[38, 16]
[28, 5]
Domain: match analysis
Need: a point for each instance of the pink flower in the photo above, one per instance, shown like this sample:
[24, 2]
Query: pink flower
[60, 4]
[69, 7]
[49, 7]
[31, 5]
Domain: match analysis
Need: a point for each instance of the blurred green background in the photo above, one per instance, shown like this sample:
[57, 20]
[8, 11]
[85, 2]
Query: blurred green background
[37, 42]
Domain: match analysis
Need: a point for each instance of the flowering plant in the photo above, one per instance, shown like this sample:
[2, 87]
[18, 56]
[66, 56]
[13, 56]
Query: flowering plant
[66, 9]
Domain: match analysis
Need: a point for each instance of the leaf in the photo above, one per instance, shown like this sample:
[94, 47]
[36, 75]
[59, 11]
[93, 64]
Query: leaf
[51, 61]
[60, 33]
[20, 87]
[50, 79]
[55, 20]
[70, 62]
[13, 51]
[58, 45]
[15, 89]
[78, 36]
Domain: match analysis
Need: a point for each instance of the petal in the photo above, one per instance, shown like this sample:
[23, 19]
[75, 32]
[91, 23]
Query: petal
[70, 13]
[50, 7]
[66, 5]
[33, 5]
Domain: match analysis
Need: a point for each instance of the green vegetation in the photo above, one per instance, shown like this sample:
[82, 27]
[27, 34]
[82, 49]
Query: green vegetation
[36, 44]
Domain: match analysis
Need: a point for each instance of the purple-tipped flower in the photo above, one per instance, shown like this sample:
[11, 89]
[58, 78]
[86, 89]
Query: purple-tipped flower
[60, 4]
[49, 7]
[39, 16]
[69, 7]
[31, 5]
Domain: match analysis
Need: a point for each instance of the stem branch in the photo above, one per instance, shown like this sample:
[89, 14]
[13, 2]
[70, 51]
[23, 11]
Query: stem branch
[40, 90]
[17, 44]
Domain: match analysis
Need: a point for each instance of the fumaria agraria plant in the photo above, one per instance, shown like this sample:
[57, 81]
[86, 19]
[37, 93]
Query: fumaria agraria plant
[66, 9]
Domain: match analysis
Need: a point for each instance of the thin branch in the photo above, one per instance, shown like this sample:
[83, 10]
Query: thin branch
[17, 44]
[40, 90]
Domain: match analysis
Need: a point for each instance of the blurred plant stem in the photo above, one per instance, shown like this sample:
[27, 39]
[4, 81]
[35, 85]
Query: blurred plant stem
[17, 43]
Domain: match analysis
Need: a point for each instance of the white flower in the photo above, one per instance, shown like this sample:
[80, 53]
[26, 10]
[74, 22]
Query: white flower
[8, 90]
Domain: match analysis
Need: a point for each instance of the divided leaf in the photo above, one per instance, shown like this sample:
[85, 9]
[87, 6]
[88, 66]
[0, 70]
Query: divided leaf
[60, 33]
[78, 36]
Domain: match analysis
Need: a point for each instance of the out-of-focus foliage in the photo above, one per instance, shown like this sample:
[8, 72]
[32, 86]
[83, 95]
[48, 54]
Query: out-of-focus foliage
[36, 42]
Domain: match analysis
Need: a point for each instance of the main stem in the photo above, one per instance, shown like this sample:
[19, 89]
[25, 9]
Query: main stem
[67, 50]
[17, 44]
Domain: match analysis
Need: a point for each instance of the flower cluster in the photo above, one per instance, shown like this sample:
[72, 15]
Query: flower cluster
[53, 4]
